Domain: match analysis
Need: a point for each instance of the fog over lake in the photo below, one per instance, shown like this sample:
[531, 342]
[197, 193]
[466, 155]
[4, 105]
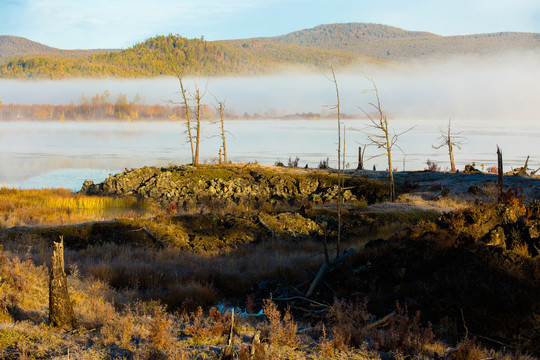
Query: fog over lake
[492, 101]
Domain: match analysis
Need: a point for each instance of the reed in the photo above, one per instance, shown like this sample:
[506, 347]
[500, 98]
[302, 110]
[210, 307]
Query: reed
[60, 206]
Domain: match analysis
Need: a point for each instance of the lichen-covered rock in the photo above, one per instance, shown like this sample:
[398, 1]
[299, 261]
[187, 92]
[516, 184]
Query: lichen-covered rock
[189, 186]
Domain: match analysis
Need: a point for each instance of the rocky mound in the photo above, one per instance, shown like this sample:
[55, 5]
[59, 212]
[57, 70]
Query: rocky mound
[251, 186]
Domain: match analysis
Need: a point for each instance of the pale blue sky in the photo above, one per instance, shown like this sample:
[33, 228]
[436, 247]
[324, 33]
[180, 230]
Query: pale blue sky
[71, 24]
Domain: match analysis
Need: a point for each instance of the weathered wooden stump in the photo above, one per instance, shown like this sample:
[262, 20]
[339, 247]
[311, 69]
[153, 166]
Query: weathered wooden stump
[60, 308]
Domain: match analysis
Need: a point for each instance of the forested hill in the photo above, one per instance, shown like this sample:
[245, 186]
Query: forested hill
[386, 42]
[320, 47]
[160, 55]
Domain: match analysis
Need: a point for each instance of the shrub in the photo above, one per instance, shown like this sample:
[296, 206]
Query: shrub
[348, 320]
[323, 164]
[293, 163]
[280, 330]
[118, 331]
[405, 335]
[200, 327]
[432, 167]
[161, 330]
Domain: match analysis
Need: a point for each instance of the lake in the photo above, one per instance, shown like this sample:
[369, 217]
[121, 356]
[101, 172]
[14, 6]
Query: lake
[64, 154]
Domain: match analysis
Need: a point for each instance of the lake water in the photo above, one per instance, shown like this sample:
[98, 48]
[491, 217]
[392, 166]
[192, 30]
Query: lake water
[64, 154]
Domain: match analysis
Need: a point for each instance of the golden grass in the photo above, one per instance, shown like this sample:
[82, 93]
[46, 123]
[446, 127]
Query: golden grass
[59, 206]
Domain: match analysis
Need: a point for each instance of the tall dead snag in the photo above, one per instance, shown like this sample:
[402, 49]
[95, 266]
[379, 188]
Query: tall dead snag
[500, 173]
[187, 114]
[60, 308]
[197, 98]
[337, 107]
[222, 135]
[450, 140]
[379, 135]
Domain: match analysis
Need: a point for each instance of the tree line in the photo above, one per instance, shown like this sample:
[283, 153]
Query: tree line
[96, 111]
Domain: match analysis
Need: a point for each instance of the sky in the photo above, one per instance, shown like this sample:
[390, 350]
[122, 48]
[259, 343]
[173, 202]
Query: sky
[89, 24]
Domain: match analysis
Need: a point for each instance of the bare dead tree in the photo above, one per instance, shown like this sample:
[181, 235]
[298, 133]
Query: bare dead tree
[337, 107]
[450, 139]
[197, 97]
[378, 134]
[221, 108]
[179, 75]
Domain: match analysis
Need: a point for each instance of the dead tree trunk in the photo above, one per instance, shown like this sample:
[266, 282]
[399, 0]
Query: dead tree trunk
[228, 351]
[60, 308]
[449, 139]
[221, 108]
[452, 163]
[500, 170]
[360, 159]
[188, 117]
[197, 127]
[340, 175]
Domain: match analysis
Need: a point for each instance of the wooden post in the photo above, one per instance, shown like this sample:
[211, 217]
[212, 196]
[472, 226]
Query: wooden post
[360, 160]
[60, 308]
[500, 171]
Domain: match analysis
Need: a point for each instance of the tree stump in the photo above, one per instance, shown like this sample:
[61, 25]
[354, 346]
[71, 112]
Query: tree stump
[60, 308]
[360, 159]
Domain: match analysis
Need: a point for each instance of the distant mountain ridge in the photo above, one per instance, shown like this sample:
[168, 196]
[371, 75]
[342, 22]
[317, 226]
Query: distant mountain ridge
[322, 46]
[15, 46]
[391, 43]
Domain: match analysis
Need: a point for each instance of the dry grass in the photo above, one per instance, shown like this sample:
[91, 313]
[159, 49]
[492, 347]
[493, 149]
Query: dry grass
[115, 324]
[59, 206]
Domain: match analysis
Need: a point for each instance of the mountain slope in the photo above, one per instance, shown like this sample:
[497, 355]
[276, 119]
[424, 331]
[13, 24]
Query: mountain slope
[334, 45]
[160, 56]
[12, 47]
[392, 43]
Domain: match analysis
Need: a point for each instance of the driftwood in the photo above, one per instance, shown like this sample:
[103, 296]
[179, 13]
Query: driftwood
[323, 268]
[227, 353]
[154, 239]
[317, 279]
[381, 322]
[60, 308]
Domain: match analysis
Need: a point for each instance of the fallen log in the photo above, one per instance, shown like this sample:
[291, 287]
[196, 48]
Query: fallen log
[323, 268]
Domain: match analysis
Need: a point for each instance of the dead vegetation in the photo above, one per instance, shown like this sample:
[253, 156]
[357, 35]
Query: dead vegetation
[413, 284]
